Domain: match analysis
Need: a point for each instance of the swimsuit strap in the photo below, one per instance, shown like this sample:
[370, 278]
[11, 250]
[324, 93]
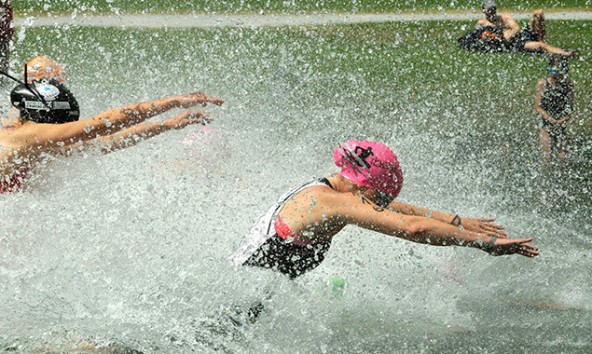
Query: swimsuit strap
[326, 181]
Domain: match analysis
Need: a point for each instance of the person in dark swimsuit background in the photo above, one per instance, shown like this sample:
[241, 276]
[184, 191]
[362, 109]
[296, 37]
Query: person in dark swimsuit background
[294, 236]
[554, 104]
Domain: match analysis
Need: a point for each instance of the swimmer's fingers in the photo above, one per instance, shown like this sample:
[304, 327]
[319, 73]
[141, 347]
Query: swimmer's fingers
[206, 118]
[198, 97]
[494, 230]
[198, 117]
[186, 118]
[489, 223]
[496, 233]
[514, 246]
[483, 225]
[529, 251]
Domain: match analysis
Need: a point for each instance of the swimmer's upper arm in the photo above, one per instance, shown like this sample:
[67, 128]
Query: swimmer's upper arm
[354, 210]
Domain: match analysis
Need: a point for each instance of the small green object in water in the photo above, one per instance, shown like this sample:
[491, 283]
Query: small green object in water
[337, 285]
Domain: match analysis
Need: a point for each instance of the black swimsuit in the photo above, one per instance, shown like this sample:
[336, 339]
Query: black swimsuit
[524, 36]
[264, 248]
[484, 39]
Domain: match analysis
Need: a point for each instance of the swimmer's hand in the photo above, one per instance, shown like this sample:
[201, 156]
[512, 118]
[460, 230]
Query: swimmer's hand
[484, 226]
[186, 118]
[195, 98]
[507, 246]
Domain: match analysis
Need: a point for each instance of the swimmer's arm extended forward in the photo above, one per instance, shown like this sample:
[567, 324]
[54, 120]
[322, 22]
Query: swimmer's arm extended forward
[350, 210]
[114, 120]
[133, 135]
[138, 112]
[482, 225]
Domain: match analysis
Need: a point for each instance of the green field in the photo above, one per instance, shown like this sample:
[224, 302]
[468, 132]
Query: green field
[44, 6]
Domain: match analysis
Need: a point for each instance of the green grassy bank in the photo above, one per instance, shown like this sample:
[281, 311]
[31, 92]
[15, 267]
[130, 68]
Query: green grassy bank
[67, 6]
[388, 71]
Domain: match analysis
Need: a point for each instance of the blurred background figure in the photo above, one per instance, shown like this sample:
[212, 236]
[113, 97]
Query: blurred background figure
[6, 32]
[553, 102]
[499, 32]
[532, 38]
[206, 150]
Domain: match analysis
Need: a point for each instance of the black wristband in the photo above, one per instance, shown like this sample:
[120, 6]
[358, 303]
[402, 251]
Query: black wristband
[455, 218]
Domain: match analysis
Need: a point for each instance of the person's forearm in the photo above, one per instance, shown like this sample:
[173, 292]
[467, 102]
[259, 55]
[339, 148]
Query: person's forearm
[131, 136]
[120, 140]
[409, 209]
[437, 233]
[149, 109]
[135, 113]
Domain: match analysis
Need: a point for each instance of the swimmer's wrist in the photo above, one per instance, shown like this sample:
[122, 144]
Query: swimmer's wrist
[488, 246]
[456, 220]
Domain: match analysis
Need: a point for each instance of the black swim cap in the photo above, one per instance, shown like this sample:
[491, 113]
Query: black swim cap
[45, 102]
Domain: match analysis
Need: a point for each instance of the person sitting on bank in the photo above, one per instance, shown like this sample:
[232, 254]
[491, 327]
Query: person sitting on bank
[500, 32]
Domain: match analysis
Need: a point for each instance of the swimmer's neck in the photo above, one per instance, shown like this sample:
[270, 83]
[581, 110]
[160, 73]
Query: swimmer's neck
[342, 184]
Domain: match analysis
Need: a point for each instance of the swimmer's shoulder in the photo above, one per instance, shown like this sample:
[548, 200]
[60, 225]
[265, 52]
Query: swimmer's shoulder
[317, 192]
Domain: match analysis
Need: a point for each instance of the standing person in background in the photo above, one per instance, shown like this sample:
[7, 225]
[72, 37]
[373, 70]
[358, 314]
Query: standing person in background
[6, 32]
[553, 102]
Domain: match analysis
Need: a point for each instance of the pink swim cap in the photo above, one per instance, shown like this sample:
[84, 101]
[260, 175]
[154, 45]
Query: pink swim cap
[370, 164]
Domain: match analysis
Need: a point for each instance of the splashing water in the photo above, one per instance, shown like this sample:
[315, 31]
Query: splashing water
[128, 250]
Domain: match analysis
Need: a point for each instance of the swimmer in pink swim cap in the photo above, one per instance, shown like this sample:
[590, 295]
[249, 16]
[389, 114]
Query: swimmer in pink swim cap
[295, 234]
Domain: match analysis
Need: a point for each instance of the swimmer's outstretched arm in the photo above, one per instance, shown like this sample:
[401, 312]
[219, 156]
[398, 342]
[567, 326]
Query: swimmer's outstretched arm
[114, 120]
[436, 233]
[482, 225]
[133, 135]
[138, 112]
[349, 209]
